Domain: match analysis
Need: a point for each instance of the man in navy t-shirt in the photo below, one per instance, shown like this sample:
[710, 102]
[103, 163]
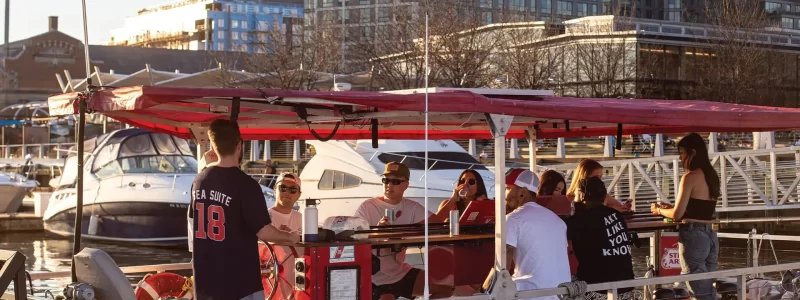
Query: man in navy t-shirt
[229, 216]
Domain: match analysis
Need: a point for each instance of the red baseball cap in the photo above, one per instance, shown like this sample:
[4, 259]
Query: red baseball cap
[523, 178]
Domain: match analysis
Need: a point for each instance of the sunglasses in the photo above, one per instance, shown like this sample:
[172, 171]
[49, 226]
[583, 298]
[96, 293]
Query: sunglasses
[393, 181]
[291, 189]
[471, 181]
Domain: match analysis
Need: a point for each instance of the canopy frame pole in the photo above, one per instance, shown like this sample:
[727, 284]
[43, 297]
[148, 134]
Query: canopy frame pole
[531, 135]
[79, 136]
[504, 287]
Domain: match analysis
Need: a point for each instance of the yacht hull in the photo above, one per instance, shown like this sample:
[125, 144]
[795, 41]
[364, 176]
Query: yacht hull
[11, 197]
[145, 223]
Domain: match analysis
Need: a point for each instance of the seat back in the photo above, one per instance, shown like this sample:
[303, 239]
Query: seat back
[96, 268]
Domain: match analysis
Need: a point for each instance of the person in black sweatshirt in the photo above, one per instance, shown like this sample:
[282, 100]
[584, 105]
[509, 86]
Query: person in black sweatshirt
[600, 240]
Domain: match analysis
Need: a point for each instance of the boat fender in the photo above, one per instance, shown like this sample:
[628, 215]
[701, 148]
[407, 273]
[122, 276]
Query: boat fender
[164, 285]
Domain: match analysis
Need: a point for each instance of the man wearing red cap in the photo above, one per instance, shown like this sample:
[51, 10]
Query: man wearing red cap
[536, 238]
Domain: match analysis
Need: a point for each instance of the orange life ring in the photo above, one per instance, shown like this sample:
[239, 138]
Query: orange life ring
[162, 285]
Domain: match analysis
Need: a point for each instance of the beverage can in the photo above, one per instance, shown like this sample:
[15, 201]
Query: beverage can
[454, 216]
[389, 214]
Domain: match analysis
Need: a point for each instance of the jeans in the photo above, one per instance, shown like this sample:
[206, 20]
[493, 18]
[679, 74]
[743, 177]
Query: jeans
[699, 250]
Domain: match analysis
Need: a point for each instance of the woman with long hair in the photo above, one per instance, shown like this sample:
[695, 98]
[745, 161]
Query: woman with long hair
[471, 182]
[551, 182]
[694, 209]
[588, 168]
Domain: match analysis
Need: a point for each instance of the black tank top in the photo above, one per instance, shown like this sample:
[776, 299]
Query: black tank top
[700, 209]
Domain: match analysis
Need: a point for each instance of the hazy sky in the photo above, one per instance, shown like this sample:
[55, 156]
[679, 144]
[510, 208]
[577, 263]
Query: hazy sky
[29, 17]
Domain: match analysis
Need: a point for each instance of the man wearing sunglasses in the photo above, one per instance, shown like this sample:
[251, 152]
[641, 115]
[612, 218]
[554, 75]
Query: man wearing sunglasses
[229, 215]
[287, 192]
[397, 278]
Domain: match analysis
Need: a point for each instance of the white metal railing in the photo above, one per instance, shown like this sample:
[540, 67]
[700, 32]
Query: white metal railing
[47, 150]
[612, 287]
[751, 179]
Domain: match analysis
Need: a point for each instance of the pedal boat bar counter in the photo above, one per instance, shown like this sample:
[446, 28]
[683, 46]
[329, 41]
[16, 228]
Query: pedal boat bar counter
[265, 114]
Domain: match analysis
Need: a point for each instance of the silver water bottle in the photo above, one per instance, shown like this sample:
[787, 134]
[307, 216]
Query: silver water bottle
[454, 216]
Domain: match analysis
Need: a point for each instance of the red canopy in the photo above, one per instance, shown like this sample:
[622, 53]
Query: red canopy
[268, 114]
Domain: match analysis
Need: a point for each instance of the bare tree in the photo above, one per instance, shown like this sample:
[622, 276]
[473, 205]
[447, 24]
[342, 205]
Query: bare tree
[734, 67]
[524, 57]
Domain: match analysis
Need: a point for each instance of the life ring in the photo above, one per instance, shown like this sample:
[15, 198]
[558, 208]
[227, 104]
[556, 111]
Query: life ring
[163, 285]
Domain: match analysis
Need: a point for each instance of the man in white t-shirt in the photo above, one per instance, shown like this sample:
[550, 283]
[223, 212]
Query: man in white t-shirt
[536, 239]
[396, 278]
[287, 192]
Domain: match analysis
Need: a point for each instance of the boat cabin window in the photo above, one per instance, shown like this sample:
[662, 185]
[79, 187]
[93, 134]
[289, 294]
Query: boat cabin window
[143, 152]
[436, 160]
[158, 164]
[338, 180]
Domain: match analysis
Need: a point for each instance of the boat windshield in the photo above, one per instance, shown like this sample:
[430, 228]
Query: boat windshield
[158, 164]
[438, 160]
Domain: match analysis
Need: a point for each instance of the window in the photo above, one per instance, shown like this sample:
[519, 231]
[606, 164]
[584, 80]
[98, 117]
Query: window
[158, 164]
[771, 7]
[564, 8]
[581, 9]
[221, 34]
[221, 23]
[235, 36]
[383, 14]
[244, 36]
[674, 16]
[674, 4]
[787, 23]
[365, 16]
[547, 6]
[220, 47]
[244, 25]
[487, 17]
[235, 24]
[444, 160]
[517, 4]
[593, 12]
[337, 180]
[108, 170]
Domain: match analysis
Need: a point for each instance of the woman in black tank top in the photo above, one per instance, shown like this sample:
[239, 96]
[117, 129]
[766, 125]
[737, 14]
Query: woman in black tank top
[695, 209]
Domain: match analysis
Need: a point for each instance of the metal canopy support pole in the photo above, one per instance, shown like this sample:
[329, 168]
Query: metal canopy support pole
[499, 125]
[659, 150]
[531, 133]
[712, 143]
[513, 149]
[80, 134]
[473, 148]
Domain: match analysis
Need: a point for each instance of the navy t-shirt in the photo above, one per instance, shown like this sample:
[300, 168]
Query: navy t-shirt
[228, 209]
[601, 244]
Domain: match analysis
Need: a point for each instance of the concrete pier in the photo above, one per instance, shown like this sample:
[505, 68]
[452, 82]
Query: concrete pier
[20, 223]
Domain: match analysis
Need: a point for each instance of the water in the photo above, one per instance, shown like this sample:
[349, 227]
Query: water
[47, 252]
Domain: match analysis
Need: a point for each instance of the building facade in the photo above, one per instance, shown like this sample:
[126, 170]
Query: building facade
[208, 24]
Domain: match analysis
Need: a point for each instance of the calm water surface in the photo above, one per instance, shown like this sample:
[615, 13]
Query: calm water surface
[46, 252]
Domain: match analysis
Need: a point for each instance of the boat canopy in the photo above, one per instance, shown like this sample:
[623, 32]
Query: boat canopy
[268, 114]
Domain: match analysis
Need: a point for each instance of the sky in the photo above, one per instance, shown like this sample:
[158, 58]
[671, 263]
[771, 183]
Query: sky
[29, 17]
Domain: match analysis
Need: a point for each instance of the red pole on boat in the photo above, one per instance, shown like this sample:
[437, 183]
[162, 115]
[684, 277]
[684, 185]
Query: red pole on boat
[79, 136]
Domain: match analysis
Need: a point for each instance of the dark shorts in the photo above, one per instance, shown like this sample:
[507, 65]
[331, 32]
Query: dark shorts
[402, 288]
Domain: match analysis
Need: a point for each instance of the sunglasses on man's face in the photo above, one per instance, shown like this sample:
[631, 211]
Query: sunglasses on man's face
[393, 181]
[291, 189]
[471, 181]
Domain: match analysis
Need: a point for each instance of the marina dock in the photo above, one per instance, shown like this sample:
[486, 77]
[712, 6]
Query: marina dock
[20, 222]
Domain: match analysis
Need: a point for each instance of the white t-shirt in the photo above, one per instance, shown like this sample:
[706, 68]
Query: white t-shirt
[540, 239]
[393, 265]
[293, 220]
